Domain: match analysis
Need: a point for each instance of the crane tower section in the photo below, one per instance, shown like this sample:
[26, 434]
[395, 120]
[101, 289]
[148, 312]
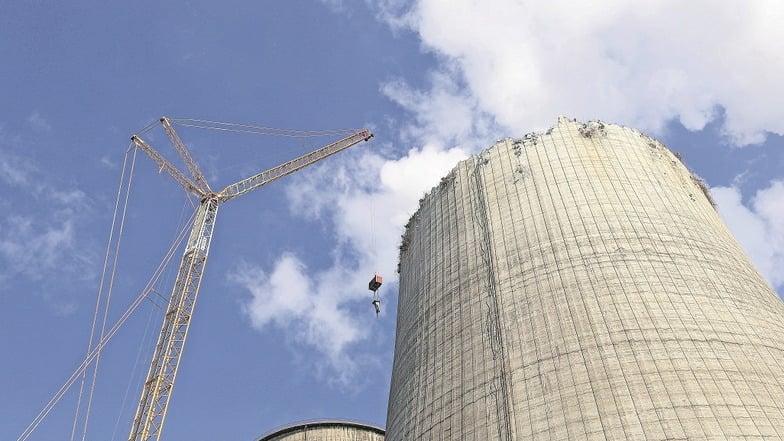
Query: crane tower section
[157, 390]
[151, 413]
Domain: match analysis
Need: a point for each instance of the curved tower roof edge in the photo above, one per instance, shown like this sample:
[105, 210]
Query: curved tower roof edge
[315, 424]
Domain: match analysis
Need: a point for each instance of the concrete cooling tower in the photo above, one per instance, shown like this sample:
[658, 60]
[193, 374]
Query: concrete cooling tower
[327, 431]
[579, 284]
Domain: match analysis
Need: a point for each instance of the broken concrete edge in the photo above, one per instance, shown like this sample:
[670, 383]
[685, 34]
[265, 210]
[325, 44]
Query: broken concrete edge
[588, 129]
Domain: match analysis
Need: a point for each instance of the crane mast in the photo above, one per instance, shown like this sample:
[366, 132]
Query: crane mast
[151, 413]
[154, 401]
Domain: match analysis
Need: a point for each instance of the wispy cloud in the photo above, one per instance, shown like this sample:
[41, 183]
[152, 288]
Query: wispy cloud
[311, 310]
[14, 170]
[39, 236]
[38, 122]
[336, 5]
[445, 115]
[107, 162]
[32, 247]
[758, 225]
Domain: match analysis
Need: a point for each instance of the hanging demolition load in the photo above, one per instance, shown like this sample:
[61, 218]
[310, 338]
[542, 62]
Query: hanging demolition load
[374, 285]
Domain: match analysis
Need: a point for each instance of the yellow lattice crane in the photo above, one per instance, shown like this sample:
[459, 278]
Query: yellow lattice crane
[151, 412]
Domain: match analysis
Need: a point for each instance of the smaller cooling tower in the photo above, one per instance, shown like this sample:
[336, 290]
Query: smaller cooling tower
[327, 431]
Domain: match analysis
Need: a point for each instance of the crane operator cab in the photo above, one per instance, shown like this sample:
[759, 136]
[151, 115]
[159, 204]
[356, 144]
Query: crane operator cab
[374, 285]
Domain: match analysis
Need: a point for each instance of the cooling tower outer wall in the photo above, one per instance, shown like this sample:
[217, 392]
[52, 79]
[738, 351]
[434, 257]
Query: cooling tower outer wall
[326, 431]
[581, 286]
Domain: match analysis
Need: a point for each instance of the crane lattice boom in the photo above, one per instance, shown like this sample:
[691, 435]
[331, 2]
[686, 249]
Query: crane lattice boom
[275, 173]
[153, 404]
[165, 165]
[190, 164]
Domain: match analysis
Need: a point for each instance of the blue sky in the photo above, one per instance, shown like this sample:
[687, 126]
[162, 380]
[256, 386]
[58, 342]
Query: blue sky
[284, 330]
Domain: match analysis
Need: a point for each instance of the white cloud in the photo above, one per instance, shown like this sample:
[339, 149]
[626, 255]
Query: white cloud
[34, 248]
[367, 200]
[38, 234]
[14, 170]
[106, 161]
[758, 226]
[445, 115]
[310, 310]
[38, 122]
[524, 62]
[336, 5]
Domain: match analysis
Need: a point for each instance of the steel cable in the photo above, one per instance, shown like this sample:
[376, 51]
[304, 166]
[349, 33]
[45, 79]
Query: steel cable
[259, 130]
[112, 331]
[109, 292]
[99, 298]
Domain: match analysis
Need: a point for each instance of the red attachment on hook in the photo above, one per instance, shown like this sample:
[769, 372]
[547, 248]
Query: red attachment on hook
[375, 283]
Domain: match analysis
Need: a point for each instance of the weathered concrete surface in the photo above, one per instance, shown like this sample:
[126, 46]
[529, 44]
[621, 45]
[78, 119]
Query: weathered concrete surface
[579, 285]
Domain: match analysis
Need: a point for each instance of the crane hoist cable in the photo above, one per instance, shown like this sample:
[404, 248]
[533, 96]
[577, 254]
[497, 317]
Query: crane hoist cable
[258, 130]
[375, 282]
[109, 334]
[133, 377]
[104, 295]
